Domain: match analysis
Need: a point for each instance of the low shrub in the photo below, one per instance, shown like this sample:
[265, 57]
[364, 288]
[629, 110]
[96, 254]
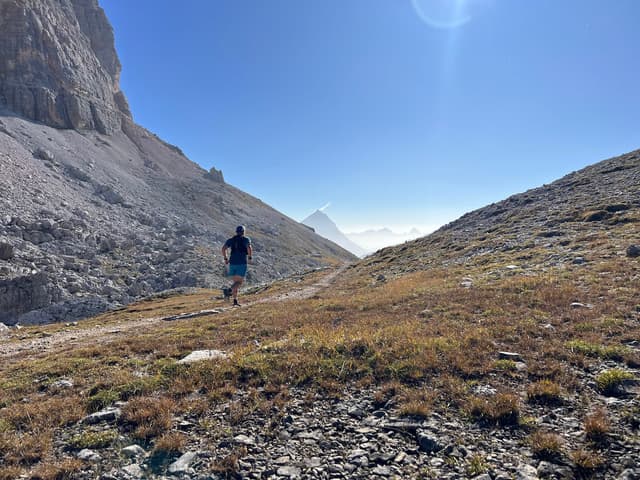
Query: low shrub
[586, 461]
[596, 425]
[544, 392]
[546, 446]
[94, 440]
[500, 409]
[610, 381]
[170, 443]
[149, 416]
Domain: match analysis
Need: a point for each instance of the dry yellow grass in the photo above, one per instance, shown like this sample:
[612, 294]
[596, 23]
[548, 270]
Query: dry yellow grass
[420, 342]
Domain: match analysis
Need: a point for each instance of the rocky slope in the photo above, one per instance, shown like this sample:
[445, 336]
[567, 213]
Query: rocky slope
[548, 226]
[504, 346]
[96, 211]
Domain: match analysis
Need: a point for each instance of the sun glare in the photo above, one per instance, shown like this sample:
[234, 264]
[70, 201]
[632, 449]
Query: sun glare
[443, 14]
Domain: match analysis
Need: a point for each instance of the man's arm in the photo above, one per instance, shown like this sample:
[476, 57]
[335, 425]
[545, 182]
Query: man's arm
[250, 252]
[224, 253]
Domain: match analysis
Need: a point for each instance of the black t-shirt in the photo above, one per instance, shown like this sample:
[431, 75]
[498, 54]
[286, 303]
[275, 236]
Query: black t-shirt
[239, 246]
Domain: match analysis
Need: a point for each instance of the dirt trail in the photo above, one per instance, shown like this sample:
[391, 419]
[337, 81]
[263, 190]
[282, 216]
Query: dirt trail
[104, 333]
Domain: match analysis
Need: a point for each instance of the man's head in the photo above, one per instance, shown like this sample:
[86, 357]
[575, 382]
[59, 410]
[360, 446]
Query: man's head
[240, 230]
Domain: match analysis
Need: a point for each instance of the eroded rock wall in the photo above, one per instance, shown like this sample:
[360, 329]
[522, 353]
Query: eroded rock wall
[58, 64]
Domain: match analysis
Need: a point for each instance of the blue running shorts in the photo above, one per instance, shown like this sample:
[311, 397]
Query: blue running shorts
[239, 270]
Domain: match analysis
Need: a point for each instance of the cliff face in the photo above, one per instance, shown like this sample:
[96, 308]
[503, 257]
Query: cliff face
[58, 64]
[96, 211]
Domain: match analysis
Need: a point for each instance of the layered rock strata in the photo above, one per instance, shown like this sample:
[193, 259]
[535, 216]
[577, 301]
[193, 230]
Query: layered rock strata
[58, 64]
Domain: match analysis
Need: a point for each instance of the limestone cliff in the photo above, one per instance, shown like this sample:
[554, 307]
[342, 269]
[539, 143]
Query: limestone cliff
[58, 64]
[96, 211]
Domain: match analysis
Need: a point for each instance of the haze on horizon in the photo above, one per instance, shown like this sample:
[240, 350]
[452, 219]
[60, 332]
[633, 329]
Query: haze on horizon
[405, 113]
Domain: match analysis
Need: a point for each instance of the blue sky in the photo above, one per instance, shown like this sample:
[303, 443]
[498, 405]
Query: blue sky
[400, 113]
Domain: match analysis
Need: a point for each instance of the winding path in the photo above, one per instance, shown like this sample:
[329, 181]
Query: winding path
[103, 333]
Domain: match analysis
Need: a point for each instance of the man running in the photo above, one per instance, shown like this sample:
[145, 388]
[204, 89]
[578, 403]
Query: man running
[240, 251]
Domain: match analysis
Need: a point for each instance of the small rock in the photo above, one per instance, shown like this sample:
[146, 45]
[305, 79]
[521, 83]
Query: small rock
[200, 355]
[87, 455]
[110, 414]
[633, 251]
[62, 384]
[630, 474]
[182, 464]
[244, 440]
[291, 472]
[133, 470]
[526, 472]
[579, 261]
[382, 470]
[313, 462]
[356, 412]
[509, 356]
[6, 251]
[581, 305]
[487, 390]
[484, 476]
[133, 451]
[428, 443]
[43, 154]
[3, 329]
[357, 453]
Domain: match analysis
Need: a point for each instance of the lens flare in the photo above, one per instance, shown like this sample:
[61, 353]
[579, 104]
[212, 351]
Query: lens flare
[443, 14]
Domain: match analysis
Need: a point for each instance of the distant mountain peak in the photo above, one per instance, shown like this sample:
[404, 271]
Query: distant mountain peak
[325, 227]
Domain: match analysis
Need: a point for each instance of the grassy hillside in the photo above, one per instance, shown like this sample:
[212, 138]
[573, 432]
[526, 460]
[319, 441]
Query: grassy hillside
[441, 358]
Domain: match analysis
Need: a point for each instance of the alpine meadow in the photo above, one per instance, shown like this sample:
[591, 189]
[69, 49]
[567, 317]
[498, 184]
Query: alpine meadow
[504, 345]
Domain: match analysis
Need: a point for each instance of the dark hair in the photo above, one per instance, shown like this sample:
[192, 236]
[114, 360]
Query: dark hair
[240, 229]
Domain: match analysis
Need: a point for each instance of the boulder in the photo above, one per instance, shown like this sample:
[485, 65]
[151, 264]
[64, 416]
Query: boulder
[6, 251]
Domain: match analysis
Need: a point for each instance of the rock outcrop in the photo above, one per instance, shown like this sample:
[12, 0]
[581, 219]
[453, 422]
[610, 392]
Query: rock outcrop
[96, 211]
[58, 64]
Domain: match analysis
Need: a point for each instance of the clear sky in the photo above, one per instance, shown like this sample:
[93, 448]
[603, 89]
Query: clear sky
[400, 113]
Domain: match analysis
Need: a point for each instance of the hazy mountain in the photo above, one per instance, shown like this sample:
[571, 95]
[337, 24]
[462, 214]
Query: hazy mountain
[376, 239]
[96, 211]
[325, 227]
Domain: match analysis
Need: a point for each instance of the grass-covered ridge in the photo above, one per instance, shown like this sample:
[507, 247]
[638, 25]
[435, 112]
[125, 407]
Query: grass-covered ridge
[422, 342]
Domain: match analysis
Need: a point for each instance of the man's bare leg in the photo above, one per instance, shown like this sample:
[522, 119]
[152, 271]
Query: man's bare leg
[237, 281]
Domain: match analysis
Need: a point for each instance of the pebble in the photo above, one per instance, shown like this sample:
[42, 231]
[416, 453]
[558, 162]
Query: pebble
[133, 451]
[581, 305]
[182, 464]
[88, 455]
[133, 470]
[244, 440]
[62, 384]
[291, 472]
[516, 357]
[110, 414]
